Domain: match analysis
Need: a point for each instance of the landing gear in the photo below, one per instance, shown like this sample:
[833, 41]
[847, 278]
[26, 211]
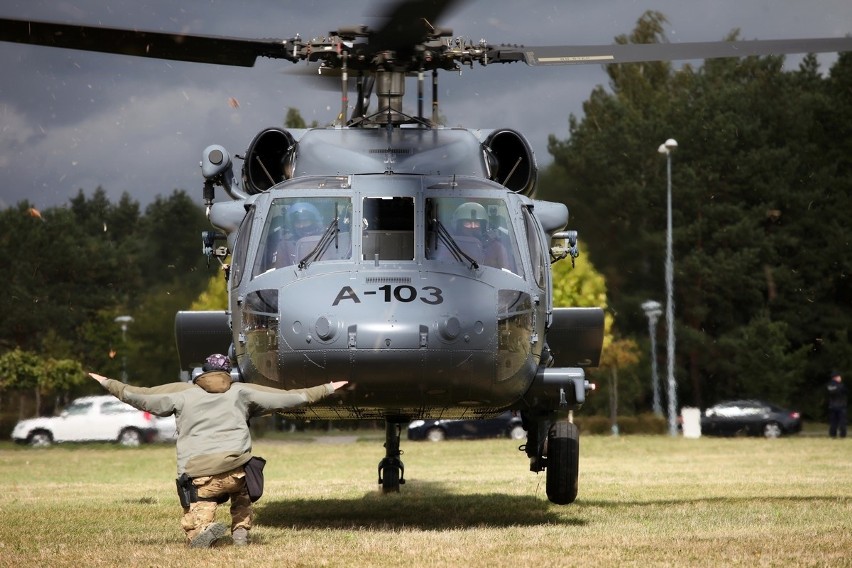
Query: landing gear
[554, 446]
[563, 461]
[391, 470]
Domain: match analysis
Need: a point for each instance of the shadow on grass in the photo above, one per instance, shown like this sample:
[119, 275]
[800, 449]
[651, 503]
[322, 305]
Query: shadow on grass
[429, 507]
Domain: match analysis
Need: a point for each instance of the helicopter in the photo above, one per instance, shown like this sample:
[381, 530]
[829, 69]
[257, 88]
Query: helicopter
[410, 258]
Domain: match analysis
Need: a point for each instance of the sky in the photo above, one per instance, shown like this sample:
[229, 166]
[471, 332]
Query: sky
[71, 120]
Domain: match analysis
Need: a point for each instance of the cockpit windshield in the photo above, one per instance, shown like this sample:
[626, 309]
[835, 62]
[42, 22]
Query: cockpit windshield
[475, 231]
[301, 230]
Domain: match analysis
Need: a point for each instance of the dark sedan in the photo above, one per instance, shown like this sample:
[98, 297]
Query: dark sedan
[505, 425]
[751, 418]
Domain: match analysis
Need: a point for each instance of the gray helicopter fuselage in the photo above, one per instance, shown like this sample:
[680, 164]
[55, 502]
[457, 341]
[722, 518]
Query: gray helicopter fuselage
[408, 273]
[455, 335]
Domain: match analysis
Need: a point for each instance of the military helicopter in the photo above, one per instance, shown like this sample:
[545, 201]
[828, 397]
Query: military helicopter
[410, 258]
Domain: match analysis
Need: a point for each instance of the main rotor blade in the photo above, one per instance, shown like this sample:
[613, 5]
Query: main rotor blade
[637, 53]
[177, 47]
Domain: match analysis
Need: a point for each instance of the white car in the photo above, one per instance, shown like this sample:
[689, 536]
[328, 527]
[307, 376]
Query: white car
[96, 418]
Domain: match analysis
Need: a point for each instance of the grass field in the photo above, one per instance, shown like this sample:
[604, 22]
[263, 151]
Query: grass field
[644, 501]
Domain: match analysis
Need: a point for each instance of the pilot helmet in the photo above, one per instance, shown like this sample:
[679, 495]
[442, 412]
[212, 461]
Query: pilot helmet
[470, 219]
[304, 219]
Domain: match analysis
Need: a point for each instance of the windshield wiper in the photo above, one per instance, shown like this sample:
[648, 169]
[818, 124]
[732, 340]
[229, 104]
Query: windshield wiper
[448, 241]
[329, 235]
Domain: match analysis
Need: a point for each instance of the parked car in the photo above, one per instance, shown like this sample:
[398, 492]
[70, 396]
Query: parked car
[505, 425]
[750, 417]
[95, 418]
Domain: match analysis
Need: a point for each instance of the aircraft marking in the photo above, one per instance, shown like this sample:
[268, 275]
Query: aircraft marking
[405, 293]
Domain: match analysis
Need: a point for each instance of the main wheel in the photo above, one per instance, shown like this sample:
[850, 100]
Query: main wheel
[563, 463]
[130, 437]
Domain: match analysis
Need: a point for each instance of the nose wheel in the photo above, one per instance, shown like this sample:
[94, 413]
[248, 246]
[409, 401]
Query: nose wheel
[391, 469]
[554, 446]
[563, 460]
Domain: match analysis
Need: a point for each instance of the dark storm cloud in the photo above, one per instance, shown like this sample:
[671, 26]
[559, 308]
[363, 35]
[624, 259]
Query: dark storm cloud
[71, 120]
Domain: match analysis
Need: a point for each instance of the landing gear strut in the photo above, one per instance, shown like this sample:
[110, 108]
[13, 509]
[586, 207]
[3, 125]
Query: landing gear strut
[391, 470]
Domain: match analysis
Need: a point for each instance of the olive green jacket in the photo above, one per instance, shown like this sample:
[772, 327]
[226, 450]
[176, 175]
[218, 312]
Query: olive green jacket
[213, 435]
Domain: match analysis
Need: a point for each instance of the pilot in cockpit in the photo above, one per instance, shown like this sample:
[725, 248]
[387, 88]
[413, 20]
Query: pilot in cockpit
[470, 229]
[302, 221]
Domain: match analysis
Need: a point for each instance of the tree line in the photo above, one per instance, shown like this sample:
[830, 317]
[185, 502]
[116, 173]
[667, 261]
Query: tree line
[762, 194]
[70, 271]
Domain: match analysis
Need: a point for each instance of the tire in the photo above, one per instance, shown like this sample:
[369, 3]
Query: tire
[40, 439]
[390, 479]
[517, 432]
[130, 437]
[436, 435]
[563, 463]
[772, 430]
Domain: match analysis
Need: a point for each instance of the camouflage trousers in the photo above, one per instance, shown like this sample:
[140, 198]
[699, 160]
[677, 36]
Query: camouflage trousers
[213, 490]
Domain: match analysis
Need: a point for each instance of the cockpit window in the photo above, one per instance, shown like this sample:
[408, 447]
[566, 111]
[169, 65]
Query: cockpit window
[471, 230]
[302, 230]
[537, 254]
[238, 258]
[387, 231]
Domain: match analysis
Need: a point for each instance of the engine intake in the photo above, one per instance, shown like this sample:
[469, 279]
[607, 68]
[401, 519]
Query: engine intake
[515, 165]
[268, 160]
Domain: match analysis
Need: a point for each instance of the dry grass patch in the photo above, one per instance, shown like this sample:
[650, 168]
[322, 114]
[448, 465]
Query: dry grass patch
[643, 501]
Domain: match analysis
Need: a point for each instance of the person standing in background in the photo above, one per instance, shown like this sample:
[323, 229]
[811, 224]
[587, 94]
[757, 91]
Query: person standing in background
[838, 401]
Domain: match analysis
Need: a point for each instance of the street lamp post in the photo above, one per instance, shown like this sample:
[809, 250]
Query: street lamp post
[667, 148]
[653, 311]
[124, 321]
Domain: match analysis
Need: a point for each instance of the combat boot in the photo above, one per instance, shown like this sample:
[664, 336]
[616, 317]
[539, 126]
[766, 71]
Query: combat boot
[240, 536]
[208, 536]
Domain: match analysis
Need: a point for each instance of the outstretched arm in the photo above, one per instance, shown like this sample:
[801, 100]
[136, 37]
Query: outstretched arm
[157, 400]
[265, 399]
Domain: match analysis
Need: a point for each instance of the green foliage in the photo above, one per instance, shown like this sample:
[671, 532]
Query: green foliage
[19, 370]
[777, 368]
[214, 297]
[294, 119]
[583, 286]
[62, 375]
[762, 189]
[57, 273]
[579, 285]
[22, 371]
[71, 270]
